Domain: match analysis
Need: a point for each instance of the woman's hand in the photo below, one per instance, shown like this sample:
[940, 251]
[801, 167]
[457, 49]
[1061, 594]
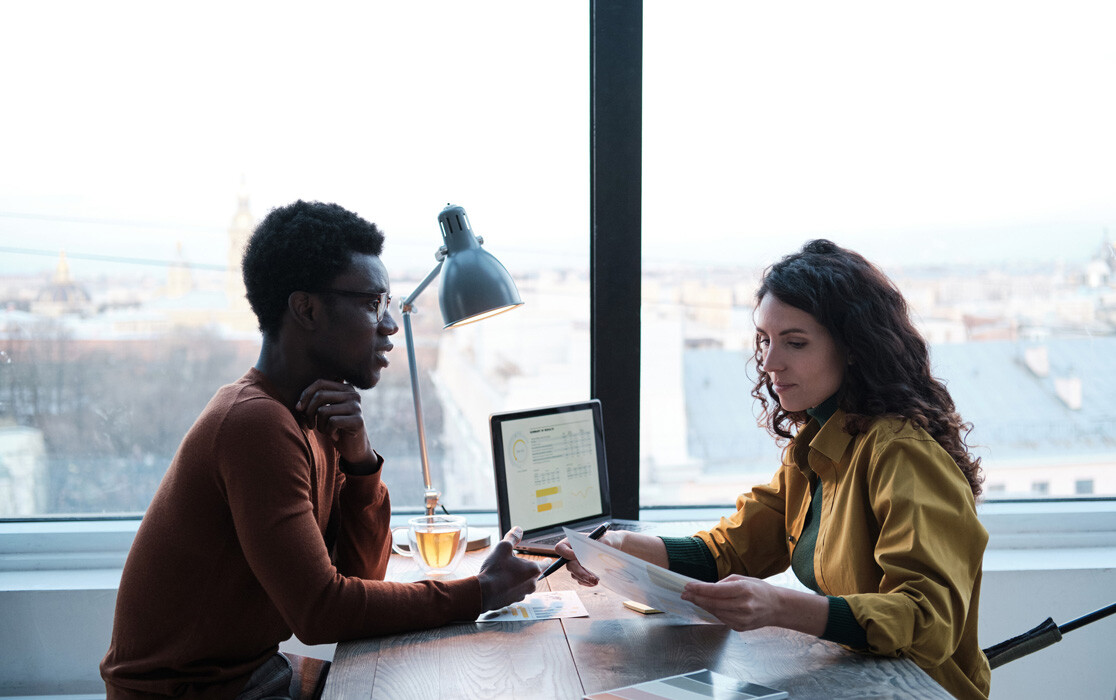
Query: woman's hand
[646, 547]
[577, 571]
[745, 603]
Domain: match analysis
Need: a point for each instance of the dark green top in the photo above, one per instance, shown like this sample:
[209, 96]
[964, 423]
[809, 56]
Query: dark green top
[690, 556]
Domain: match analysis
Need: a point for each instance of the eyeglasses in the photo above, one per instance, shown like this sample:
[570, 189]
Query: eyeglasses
[377, 301]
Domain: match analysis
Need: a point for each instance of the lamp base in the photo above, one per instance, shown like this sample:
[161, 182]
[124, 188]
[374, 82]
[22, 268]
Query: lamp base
[478, 538]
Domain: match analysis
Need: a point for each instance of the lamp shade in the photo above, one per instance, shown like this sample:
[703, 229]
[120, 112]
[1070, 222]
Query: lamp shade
[474, 284]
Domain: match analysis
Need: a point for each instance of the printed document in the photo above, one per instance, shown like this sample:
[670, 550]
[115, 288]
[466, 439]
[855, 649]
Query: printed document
[636, 579]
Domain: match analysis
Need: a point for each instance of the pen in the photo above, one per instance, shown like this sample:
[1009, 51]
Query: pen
[594, 535]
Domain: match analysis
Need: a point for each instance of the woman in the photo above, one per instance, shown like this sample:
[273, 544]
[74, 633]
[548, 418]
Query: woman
[874, 505]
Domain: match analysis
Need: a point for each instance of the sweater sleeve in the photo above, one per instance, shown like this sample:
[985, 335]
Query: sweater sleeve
[690, 557]
[930, 549]
[363, 542]
[841, 626]
[268, 488]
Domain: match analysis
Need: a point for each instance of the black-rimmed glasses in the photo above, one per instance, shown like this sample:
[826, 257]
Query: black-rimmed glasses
[378, 301]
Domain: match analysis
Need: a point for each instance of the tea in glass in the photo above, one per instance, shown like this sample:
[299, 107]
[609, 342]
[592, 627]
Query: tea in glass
[437, 542]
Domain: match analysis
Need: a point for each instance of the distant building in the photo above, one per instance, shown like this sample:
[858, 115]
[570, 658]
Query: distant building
[180, 281]
[240, 230]
[62, 295]
[1100, 271]
[1043, 415]
[183, 303]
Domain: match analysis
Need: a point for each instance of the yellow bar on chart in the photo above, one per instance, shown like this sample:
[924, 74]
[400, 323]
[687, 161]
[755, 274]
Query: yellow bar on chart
[544, 507]
[547, 492]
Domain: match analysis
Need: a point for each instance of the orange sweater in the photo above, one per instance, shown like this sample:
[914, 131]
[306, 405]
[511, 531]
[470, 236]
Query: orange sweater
[254, 533]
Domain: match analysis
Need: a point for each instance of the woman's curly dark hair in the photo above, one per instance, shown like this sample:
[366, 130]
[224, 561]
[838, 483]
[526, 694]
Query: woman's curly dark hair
[889, 374]
[301, 247]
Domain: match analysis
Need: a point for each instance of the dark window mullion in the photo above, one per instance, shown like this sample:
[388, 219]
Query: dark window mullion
[616, 142]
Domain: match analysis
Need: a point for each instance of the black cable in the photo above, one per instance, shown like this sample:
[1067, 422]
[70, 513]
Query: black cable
[1086, 619]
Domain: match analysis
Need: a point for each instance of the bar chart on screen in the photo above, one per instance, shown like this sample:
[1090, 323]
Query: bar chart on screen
[547, 499]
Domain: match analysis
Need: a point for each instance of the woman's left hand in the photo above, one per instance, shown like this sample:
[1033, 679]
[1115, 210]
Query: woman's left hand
[745, 603]
[741, 602]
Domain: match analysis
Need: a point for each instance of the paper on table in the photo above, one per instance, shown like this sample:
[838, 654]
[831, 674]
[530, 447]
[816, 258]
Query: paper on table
[636, 579]
[699, 684]
[539, 606]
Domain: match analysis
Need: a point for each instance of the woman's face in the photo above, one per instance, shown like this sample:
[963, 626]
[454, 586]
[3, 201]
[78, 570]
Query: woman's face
[799, 355]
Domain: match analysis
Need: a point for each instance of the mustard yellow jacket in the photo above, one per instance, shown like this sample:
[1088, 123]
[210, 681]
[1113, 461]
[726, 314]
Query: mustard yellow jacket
[899, 539]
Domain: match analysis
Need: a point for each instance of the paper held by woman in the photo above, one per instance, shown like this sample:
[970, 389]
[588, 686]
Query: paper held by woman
[636, 579]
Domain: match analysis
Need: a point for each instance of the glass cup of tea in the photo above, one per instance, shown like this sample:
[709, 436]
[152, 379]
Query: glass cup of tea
[436, 542]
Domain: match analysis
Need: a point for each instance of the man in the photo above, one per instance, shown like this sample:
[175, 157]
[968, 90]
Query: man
[272, 517]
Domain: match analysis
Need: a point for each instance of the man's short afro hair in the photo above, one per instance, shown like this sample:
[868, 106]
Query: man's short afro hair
[301, 247]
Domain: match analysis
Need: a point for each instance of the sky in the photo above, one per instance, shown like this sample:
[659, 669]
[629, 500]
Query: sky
[945, 133]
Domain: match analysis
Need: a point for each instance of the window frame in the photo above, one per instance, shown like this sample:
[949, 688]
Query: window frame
[615, 265]
[101, 543]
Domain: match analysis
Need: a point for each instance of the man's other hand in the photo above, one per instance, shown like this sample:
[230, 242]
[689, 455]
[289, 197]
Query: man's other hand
[333, 408]
[505, 578]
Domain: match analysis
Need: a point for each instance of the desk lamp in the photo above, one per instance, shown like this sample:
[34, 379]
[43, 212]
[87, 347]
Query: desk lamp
[474, 286]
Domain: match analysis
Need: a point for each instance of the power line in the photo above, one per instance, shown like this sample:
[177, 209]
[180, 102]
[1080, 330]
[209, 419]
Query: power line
[109, 222]
[115, 259]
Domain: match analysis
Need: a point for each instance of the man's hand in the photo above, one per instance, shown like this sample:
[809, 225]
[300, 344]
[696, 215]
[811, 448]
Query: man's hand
[333, 408]
[505, 578]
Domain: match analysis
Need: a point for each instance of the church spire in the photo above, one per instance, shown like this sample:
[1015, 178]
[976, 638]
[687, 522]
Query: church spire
[62, 270]
[239, 231]
[242, 198]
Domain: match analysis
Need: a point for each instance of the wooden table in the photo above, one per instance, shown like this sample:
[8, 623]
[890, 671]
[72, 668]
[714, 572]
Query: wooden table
[569, 657]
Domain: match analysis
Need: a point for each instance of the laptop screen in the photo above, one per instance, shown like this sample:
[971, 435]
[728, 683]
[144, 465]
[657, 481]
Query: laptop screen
[550, 465]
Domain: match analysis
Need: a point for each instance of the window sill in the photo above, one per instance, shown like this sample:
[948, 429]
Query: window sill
[1050, 525]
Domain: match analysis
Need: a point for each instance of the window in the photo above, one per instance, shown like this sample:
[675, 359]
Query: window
[139, 154]
[966, 149]
[118, 217]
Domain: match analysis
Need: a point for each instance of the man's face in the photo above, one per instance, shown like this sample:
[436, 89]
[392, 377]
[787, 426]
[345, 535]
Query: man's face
[352, 345]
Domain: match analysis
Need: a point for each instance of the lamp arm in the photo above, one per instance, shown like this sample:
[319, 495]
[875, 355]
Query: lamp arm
[407, 305]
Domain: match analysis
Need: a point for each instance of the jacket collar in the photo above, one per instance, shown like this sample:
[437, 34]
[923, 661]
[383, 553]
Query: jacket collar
[820, 448]
[832, 440]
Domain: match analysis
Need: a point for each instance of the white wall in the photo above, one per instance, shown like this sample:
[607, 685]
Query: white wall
[52, 639]
[1081, 666]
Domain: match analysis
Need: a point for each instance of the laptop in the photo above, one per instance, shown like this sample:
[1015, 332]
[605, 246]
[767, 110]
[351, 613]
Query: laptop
[551, 473]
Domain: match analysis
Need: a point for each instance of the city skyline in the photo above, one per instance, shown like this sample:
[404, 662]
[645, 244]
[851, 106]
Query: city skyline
[94, 255]
[512, 362]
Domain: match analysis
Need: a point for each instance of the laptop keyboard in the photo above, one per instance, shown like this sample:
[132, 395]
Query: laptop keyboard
[553, 539]
[631, 527]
